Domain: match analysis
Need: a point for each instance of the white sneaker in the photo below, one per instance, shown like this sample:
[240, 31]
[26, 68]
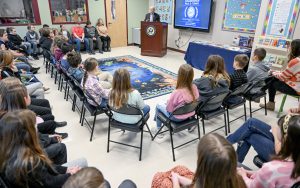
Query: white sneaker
[191, 129]
[31, 58]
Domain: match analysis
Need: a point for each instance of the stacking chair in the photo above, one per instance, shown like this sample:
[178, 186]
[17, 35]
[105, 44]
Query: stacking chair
[258, 161]
[93, 110]
[175, 127]
[212, 108]
[136, 127]
[47, 59]
[260, 93]
[78, 94]
[234, 100]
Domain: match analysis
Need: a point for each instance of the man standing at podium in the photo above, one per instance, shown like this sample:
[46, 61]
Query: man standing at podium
[152, 16]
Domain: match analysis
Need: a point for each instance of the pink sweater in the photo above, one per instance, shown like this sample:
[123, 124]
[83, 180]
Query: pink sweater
[180, 97]
[274, 174]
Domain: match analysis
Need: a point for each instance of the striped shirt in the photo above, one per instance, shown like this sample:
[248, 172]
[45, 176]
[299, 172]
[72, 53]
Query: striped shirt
[291, 75]
[237, 78]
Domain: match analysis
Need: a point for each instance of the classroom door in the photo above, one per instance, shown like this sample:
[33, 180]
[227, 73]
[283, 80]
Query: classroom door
[116, 21]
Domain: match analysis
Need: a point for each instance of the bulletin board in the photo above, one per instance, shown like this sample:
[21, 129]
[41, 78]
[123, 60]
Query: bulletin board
[281, 18]
[241, 15]
[164, 9]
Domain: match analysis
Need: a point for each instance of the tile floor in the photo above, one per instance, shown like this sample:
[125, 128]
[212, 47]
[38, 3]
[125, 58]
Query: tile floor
[122, 162]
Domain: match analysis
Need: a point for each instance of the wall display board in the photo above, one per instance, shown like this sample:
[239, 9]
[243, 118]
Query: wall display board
[281, 18]
[164, 9]
[241, 15]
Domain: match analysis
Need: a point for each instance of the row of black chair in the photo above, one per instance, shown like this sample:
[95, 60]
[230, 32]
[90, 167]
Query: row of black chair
[214, 107]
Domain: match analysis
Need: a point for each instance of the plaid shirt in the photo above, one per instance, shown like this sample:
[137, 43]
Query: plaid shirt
[95, 90]
[237, 78]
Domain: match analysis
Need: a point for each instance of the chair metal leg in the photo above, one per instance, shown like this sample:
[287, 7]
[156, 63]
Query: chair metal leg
[198, 130]
[245, 111]
[158, 132]
[141, 146]
[59, 82]
[83, 116]
[108, 136]
[225, 120]
[281, 105]
[81, 113]
[149, 131]
[172, 145]
[67, 92]
[55, 77]
[203, 126]
[93, 127]
[250, 108]
[266, 105]
[74, 102]
[228, 123]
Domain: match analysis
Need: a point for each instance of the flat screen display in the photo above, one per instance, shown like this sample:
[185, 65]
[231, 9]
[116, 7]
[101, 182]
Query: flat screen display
[193, 14]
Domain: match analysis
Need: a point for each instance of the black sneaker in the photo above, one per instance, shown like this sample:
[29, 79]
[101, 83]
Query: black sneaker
[63, 135]
[35, 70]
[61, 124]
[35, 56]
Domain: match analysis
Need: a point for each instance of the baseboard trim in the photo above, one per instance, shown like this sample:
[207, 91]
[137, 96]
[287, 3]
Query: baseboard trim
[176, 50]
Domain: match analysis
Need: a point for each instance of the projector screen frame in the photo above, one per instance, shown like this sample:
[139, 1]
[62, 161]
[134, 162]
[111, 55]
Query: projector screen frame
[192, 28]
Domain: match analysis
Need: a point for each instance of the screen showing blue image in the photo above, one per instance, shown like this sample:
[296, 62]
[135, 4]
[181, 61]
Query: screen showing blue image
[193, 14]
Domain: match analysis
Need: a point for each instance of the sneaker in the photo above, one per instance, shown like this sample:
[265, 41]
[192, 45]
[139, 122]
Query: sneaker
[46, 88]
[61, 124]
[31, 58]
[270, 106]
[257, 100]
[100, 51]
[63, 135]
[35, 70]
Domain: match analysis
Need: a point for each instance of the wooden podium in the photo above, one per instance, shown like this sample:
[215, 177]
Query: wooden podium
[154, 36]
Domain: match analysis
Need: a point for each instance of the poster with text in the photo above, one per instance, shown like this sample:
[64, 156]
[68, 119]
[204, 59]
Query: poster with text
[164, 9]
[241, 15]
[281, 18]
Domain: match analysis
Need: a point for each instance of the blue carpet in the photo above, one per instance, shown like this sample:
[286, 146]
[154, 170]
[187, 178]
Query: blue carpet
[150, 80]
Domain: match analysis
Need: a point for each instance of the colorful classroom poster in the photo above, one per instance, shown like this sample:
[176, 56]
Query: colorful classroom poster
[281, 18]
[241, 15]
[164, 9]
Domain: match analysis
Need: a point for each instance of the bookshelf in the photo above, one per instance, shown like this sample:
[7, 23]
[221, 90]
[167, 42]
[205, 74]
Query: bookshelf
[277, 50]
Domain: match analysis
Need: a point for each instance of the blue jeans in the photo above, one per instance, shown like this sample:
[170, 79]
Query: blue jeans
[103, 103]
[253, 133]
[146, 110]
[78, 42]
[163, 109]
[23, 66]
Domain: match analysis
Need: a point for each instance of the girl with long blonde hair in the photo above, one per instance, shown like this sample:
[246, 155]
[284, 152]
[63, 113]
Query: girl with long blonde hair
[122, 93]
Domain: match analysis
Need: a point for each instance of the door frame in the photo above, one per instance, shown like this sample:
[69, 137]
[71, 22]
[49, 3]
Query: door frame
[126, 18]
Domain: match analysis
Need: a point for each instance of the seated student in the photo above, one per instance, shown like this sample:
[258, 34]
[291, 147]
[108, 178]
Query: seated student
[65, 49]
[4, 44]
[90, 32]
[258, 70]
[103, 33]
[66, 34]
[45, 40]
[214, 80]
[93, 85]
[239, 77]
[56, 47]
[79, 37]
[254, 133]
[122, 93]
[75, 69]
[286, 81]
[18, 43]
[8, 69]
[14, 96]
[216, 167]
[23, 162]
[284, 169]
[91, 177]
[185, 92]
[33, 38]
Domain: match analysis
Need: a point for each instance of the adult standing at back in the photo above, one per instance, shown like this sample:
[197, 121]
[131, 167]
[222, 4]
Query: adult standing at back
[91, 34]
[79, 37]
[152, 16]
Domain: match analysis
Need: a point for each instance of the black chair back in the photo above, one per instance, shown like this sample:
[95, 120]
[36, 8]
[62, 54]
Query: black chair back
[186, 108]
[47, 54]
[127, 110]
[241, 89]
[213, 103]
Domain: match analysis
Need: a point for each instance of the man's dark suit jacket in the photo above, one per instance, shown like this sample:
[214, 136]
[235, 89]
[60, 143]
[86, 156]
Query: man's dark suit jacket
[156, 17]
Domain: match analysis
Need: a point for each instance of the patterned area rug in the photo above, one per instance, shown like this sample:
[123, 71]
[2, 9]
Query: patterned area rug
[150, 80]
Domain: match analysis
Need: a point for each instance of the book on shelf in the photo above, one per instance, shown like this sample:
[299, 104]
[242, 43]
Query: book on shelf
[275, 61]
